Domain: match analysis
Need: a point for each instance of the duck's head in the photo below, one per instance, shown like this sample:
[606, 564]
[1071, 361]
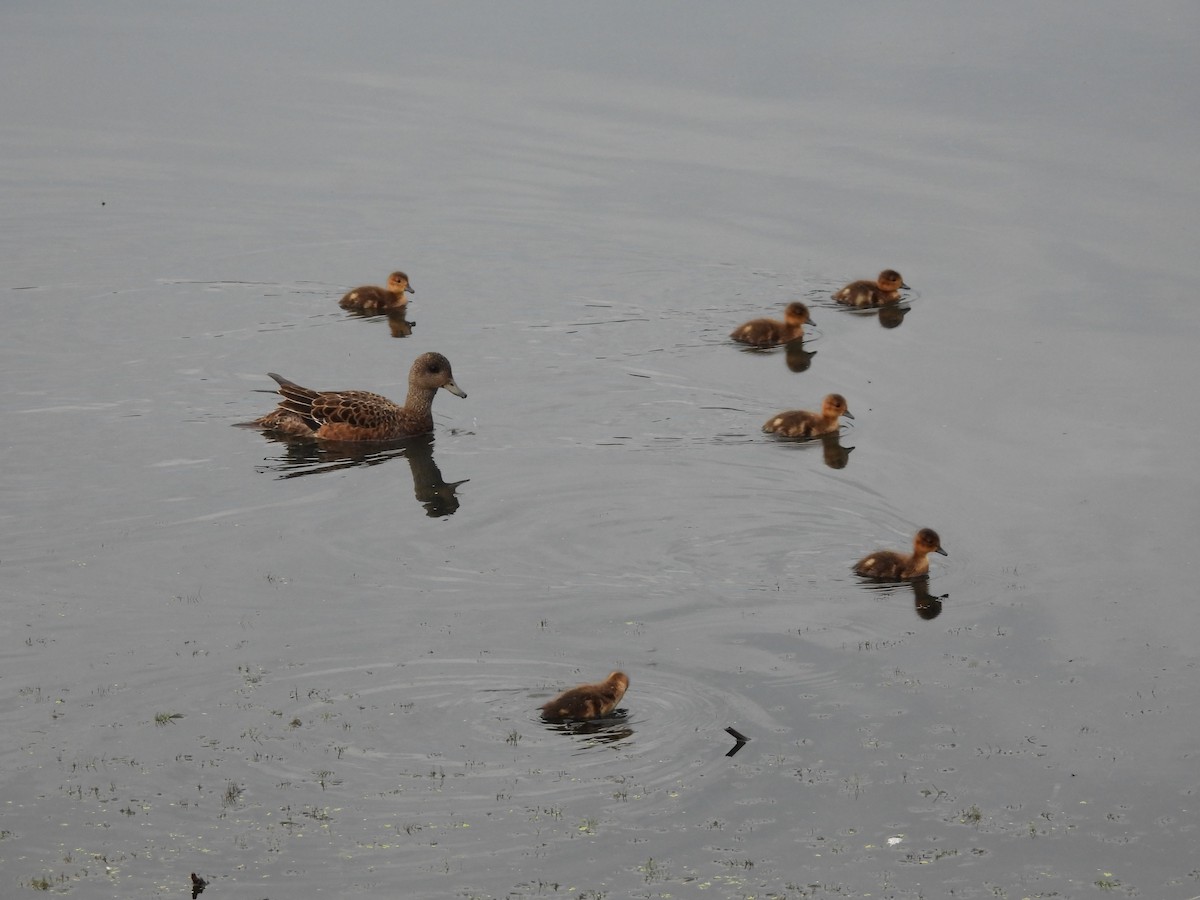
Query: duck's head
[398, 284]
[432, 371]
[927, 541]
[835, 405]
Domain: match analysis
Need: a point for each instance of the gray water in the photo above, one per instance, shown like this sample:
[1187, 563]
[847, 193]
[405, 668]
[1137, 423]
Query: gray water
[299, 672]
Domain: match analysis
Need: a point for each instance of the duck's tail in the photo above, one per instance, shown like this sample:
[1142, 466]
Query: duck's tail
[296, 399]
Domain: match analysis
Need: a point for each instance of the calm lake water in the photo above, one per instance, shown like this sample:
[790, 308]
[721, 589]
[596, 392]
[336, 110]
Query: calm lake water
[310, 673]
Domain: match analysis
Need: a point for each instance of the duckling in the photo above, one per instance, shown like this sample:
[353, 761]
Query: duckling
[893, 566]
[588, 701]
[764, 333]
[369, 297]
[361, 415]
[800, 423]
[885, 289]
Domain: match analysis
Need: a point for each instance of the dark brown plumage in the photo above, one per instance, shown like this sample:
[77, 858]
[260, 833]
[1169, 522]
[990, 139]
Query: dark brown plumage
[369, 297]
[800, 423]
[893, 566]
[885, 289]
[361, 415]
[588, 701]
[771, 332]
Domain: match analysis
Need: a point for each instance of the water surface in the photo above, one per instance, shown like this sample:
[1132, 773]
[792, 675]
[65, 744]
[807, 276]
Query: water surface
[302, 672]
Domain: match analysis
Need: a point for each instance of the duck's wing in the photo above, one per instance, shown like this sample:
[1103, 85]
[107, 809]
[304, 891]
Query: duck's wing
[361, 409]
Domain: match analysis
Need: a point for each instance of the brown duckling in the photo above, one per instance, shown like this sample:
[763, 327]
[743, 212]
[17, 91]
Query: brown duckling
[361, 415]
[800, 423]
[369, 297]
[893, 566]
[588, 701]
[771, 332]
[885, 289]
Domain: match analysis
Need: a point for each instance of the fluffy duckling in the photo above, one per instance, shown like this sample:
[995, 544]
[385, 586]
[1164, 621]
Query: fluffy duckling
[588, 701]
[369, 297]
[771, 332]
[361, 415]
[800, 423]
[895, 566]
[885, 289]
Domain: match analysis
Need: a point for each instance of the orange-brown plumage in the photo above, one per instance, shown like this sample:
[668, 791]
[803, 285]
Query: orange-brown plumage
[771, 332]
[893, 566]
[588, 701]
[361, 415]
[369, 297]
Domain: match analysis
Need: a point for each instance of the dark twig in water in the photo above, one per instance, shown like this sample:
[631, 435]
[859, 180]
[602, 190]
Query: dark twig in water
[737, 736]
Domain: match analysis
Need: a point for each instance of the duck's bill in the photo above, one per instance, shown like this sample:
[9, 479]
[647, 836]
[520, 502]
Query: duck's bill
[941, 551]
[409, 289]
[847, 415]
[455, 389]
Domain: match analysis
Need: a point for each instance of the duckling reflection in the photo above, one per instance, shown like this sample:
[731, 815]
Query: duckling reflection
[836, 456]
[398, 322]
[306, 456]
[926, 605]
[601, 731]
[797, 358]
[764, 333]
[892, 315]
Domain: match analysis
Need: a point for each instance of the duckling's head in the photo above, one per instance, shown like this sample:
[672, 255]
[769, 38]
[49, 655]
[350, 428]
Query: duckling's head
[797, 314]
[432, 371]
[927, 541]
[890, 280]
[835, 405]
[398, 283]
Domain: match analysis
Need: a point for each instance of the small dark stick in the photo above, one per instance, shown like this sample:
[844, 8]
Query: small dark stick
[737, 736]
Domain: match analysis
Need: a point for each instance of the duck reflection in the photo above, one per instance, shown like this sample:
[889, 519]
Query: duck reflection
[398, 322]
[309, 457]
[925, 604]
[608, 730]
[836, 456]
[890, 315]
[797, 358]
